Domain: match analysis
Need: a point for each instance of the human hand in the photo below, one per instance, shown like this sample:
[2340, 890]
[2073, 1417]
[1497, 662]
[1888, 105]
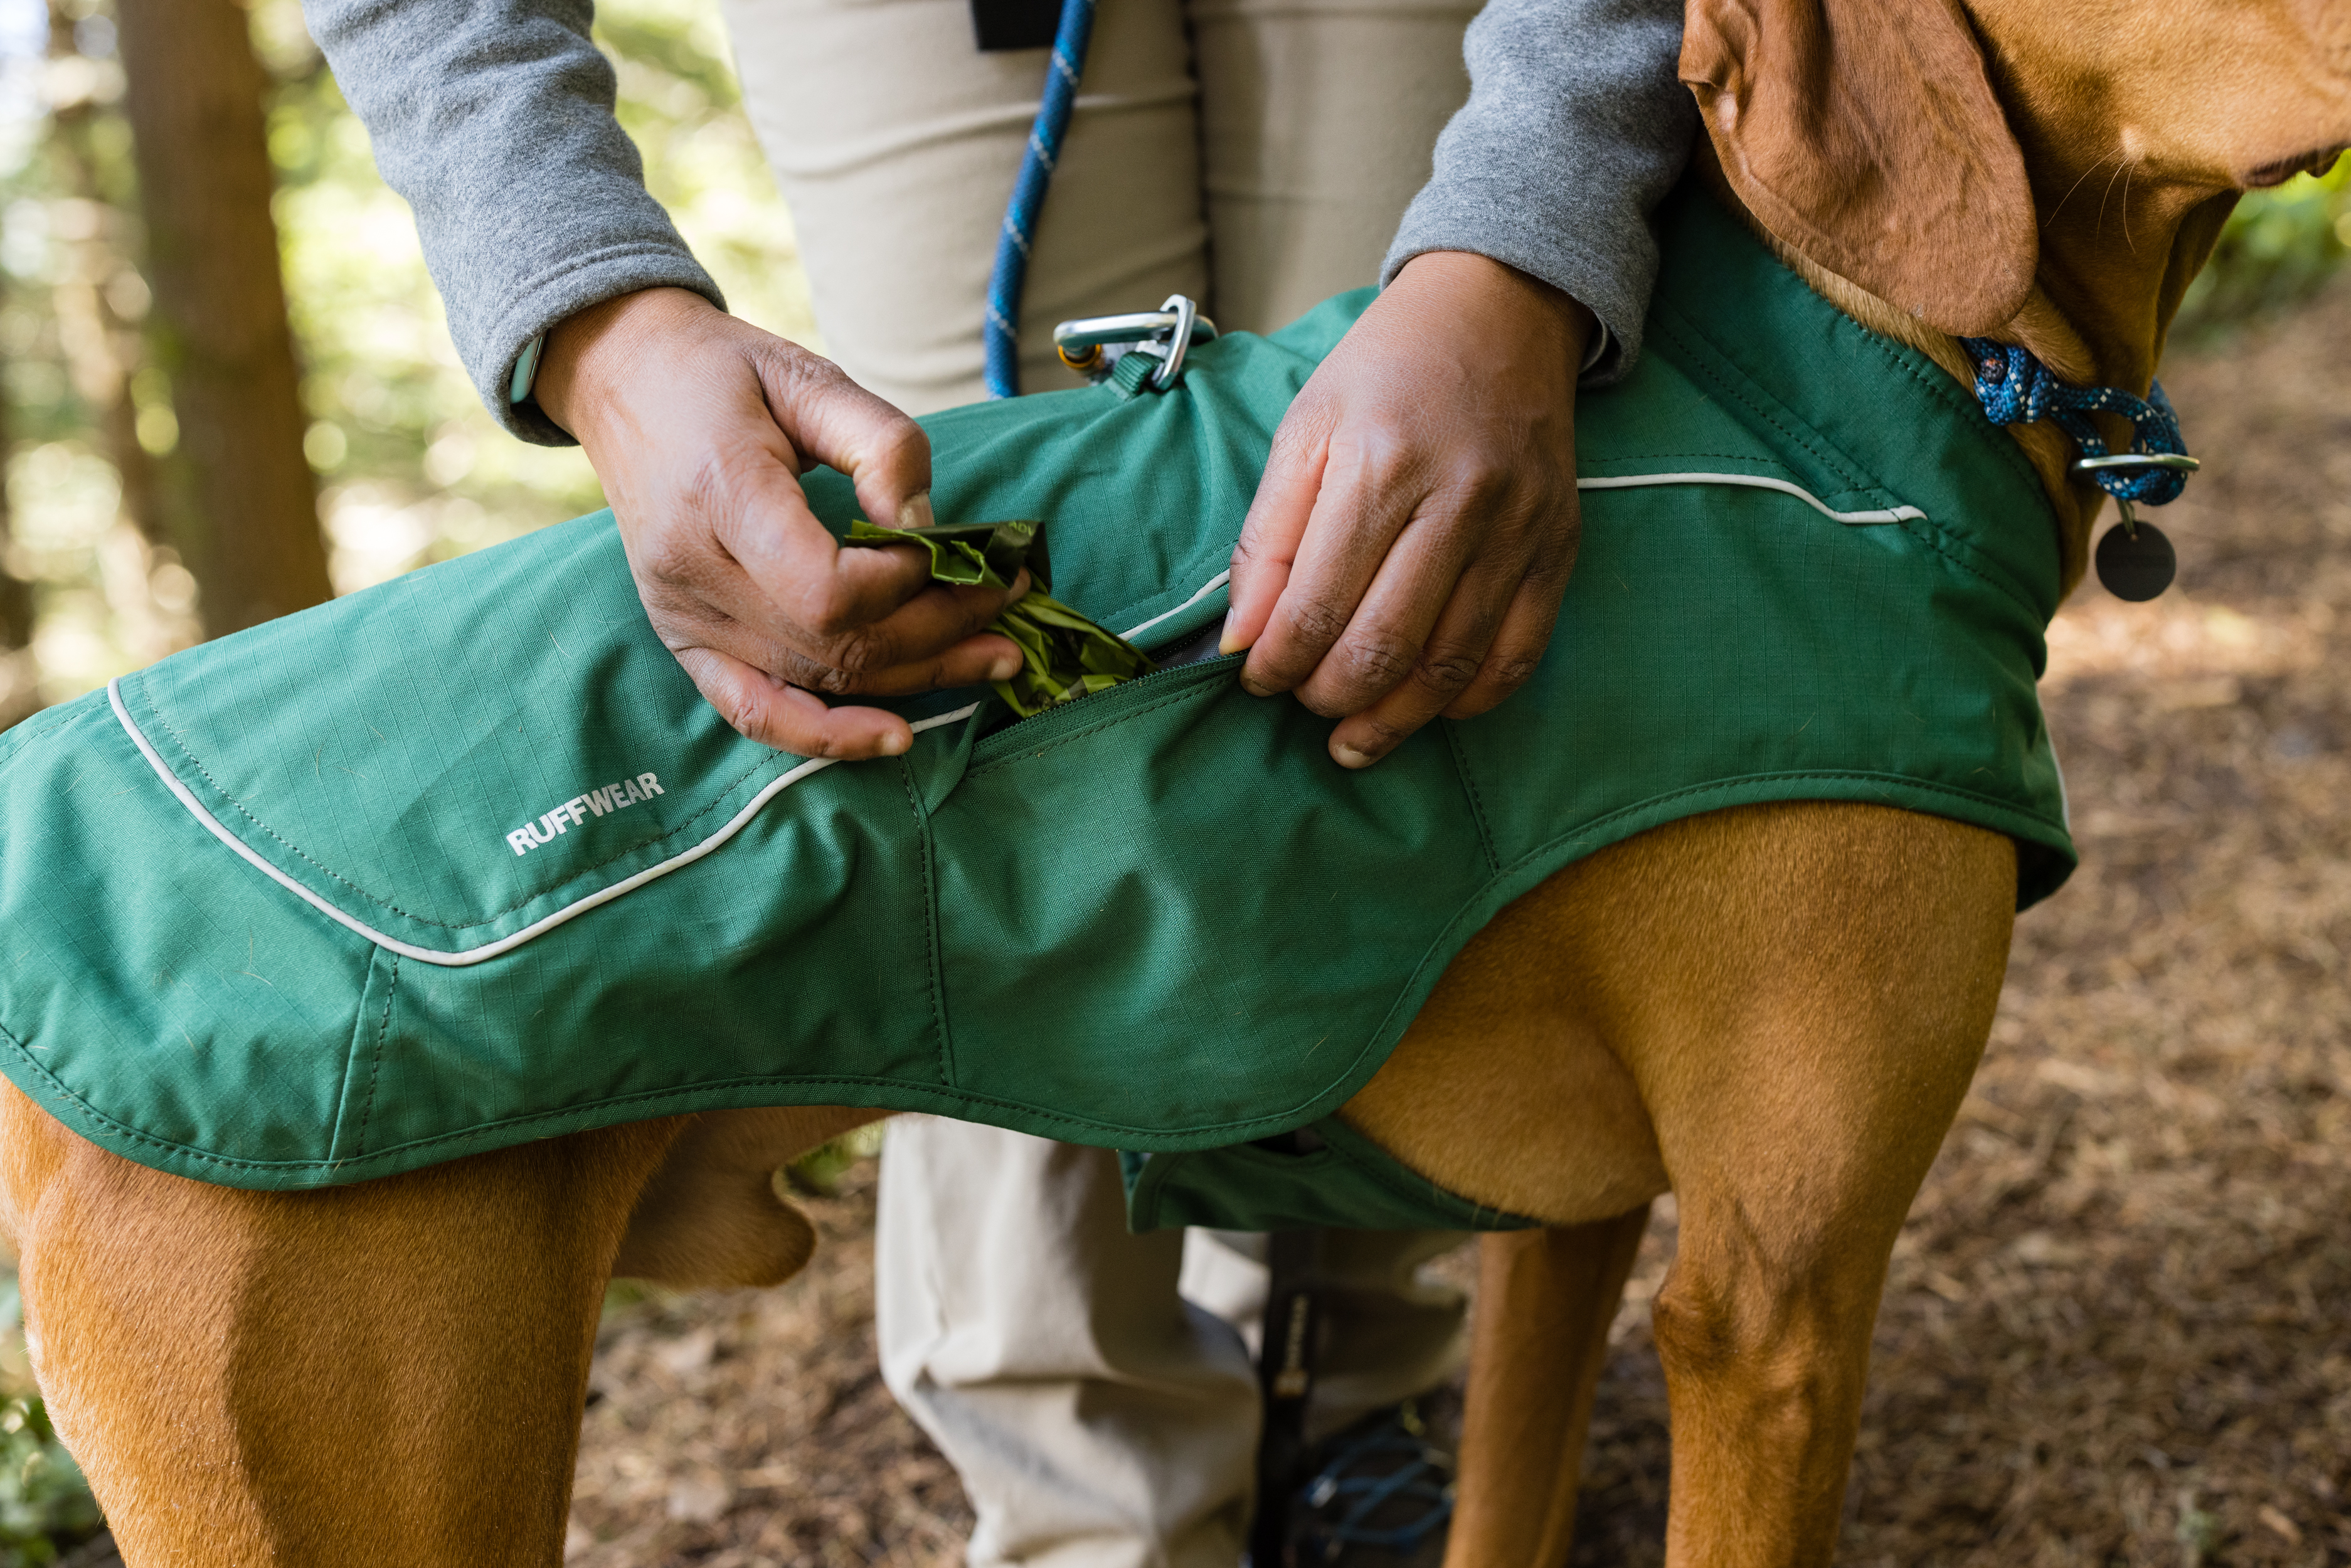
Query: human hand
[699, 426]
[1417, 519]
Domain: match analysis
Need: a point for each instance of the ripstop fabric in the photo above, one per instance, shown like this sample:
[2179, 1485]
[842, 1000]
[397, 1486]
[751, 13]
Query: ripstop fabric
[463, 860]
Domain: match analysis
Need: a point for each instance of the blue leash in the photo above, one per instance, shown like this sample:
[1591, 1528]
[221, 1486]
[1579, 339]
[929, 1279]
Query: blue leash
[1417, 1480]
[1011, 275]
[2134, 560]
[2015, 388]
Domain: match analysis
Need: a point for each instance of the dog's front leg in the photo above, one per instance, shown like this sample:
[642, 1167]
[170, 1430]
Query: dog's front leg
[1538, 1341]
[1803, 1042]
[389, 1372]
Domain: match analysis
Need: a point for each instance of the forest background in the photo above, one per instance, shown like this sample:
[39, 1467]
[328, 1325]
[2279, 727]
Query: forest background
[101, 557]
[112, 542]
[134, 520]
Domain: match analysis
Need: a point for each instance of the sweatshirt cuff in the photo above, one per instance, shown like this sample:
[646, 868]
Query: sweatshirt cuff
[546, 301]
[1453, 218]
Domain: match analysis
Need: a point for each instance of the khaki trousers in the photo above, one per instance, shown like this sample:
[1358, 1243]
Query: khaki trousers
[1093, 1388]
[1254, 155]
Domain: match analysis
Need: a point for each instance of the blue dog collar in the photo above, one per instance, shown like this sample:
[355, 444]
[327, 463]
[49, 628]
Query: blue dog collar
[2134, 560]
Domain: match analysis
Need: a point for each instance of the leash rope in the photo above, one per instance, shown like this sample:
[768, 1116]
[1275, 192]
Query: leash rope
[1002, 331]
[2134, 560]
[2015, 388]
[1417, 1481]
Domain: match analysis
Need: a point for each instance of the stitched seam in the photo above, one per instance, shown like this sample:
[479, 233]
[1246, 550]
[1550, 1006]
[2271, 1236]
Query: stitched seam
[296, 850]
[23, 738]
[1186, 694]
[1469, 788]
[1924, 532]
[1945, 394]
[351, 1054]
[1701, 350]
[1939, 387]
[375, 1067]
[1942, 388]
[928, 915]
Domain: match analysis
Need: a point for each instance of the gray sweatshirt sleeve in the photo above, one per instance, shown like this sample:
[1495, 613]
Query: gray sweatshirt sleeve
[1575, 128]
[470, 103]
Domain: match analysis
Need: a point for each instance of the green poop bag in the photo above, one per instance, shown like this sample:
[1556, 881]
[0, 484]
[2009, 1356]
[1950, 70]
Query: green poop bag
[1063, 656]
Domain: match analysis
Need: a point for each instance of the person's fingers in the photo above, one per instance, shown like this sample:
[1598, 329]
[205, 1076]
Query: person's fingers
[1429, 580]
[1366, 501]
[1456, 651]
[1430, 665]
[1277, 520]
[831, 419]
[1525, 633]
[810, 590]
[767, 710]
[939, 629]
[973, 660]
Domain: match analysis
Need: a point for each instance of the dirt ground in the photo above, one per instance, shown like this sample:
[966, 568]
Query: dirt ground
[2118, 1326]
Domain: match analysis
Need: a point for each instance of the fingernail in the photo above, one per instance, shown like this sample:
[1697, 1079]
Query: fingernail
[914, 511]
[1005, 668]
[895, 743]
[1225, 644]
[1350, 758]
[1251, 685]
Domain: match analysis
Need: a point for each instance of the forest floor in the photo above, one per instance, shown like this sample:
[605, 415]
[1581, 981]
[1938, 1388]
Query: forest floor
[2117, 1328]
[2118, 1325]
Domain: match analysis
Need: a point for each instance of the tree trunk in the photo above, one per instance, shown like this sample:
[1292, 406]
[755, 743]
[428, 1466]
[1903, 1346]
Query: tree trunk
[101, 348]
[194, 102]
[19, 696]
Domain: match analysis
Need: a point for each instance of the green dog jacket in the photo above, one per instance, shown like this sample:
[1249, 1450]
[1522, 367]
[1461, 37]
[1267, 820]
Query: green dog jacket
[464, 860]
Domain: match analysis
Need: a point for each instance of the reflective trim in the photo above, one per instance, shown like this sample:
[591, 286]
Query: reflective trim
[1757, 482]
[571, 911]
[785, 780]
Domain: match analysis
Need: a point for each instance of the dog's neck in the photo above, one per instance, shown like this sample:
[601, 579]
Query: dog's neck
[2113, 265]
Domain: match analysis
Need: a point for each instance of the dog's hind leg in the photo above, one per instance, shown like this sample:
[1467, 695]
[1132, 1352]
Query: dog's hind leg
[1539, 1338]
[389, 1372]
[711, 1217]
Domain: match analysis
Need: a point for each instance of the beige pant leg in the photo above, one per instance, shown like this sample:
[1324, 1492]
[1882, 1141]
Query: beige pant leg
[1097, 1420]
[1098, 1417]
[1318, 119]
[895, 143]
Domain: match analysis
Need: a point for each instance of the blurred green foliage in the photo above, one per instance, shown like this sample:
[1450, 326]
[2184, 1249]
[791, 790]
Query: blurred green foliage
[45, 1503]
[2280, 245]
[411, 468]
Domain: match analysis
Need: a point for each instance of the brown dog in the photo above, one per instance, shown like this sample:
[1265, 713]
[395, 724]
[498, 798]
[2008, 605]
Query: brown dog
[1773, 1011]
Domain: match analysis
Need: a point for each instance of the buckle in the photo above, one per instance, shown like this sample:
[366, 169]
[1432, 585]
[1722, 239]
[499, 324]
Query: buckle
[1165, 334]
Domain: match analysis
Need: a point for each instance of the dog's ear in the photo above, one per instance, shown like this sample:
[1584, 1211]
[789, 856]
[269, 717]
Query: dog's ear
[1865, 135]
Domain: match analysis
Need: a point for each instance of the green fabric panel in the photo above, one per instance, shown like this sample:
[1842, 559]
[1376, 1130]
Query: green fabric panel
[1349, 1183]
[1159, 918]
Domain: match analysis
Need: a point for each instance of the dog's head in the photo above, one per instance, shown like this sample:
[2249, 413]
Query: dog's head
[1918, 147]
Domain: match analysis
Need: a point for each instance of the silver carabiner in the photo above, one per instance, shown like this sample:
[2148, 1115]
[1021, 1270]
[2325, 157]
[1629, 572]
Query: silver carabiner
[2178, 461]
[1165, 334]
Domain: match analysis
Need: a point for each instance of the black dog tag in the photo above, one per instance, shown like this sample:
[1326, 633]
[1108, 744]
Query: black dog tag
[2136, 564]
